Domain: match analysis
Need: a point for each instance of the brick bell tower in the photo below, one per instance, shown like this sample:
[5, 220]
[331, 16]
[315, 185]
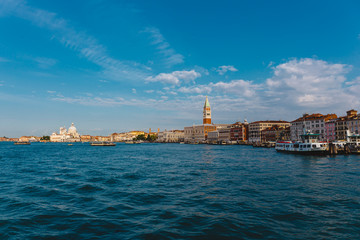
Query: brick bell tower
[207, 112]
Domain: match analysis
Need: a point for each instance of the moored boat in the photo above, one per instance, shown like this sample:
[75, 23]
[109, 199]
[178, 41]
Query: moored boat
[353, 145]
[310, 145]
[103, 144]
[22, 143]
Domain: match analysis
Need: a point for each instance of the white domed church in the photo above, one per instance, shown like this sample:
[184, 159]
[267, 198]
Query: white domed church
[70, 135]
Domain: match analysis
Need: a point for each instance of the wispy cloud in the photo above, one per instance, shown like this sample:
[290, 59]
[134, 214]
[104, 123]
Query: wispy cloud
[4, 59]
[45, 62]
[175, 77]
[86, 45]
[169, 54]
[224, 69]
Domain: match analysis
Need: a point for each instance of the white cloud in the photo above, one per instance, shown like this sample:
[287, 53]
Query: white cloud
[237, 87]
[198, 89]
[78, 41]
[133, 90]
[297, 86]
[234, 87]
[309, 82]
[175, 78]
[170, 56]
[223, 69]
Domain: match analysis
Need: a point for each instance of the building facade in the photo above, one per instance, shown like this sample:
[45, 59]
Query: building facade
[224, 134]
[256, 128]
[171, 136]
[314, 123]
[330, 134]
[342, 124]
[70, 135]
[354, 124]
[239, 131]
[29, 139]
[207, 112]
[275, 133]
[199, 133]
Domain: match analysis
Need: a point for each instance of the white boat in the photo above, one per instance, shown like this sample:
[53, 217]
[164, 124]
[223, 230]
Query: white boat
[353, 143]
[310, 145]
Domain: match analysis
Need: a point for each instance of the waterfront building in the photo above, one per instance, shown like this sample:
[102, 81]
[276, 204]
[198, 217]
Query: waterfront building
[199, 133]
[330, 134]
[85, 138]
[70, 135]
[171, 136]
[122, 137]
[224, 134]
[239, 131]
[136, 133]
[100, 139]
[354, 124]
[256, 128]
[153, 133]
[275, 133]
[213, 137]
[342, 124]
[314, 123]
[29, 139]
[4, 139]
[127, 136]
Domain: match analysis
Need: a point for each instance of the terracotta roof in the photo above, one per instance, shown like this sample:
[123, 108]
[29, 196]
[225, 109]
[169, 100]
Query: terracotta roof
[270, 121]
[316, 116]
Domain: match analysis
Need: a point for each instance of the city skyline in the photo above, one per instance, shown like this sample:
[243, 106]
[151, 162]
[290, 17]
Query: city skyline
[112, 66]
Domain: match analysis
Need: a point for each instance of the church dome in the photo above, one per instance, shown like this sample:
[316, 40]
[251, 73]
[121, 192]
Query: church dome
[72, 129]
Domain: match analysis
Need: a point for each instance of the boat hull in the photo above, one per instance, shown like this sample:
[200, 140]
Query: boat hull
[103, 144]
[320, 152]
[22, 143]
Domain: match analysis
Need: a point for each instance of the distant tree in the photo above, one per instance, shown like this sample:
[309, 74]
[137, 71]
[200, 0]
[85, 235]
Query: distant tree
[45, 138]
[140, 137]
[151, 138]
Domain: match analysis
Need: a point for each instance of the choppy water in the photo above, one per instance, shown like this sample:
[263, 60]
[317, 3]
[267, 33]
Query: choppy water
[175, 191]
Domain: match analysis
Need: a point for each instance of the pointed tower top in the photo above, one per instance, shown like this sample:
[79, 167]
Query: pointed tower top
[207, 104]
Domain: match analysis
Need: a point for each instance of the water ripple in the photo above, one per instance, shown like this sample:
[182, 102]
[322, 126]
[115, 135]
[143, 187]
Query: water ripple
[173, 191]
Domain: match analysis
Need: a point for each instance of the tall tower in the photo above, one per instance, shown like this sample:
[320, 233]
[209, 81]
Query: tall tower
[207, 112]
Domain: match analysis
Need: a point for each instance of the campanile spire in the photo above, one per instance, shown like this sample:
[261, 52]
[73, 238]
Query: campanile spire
[207, 112]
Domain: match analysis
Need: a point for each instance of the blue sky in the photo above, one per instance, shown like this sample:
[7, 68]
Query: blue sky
[112, 66]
